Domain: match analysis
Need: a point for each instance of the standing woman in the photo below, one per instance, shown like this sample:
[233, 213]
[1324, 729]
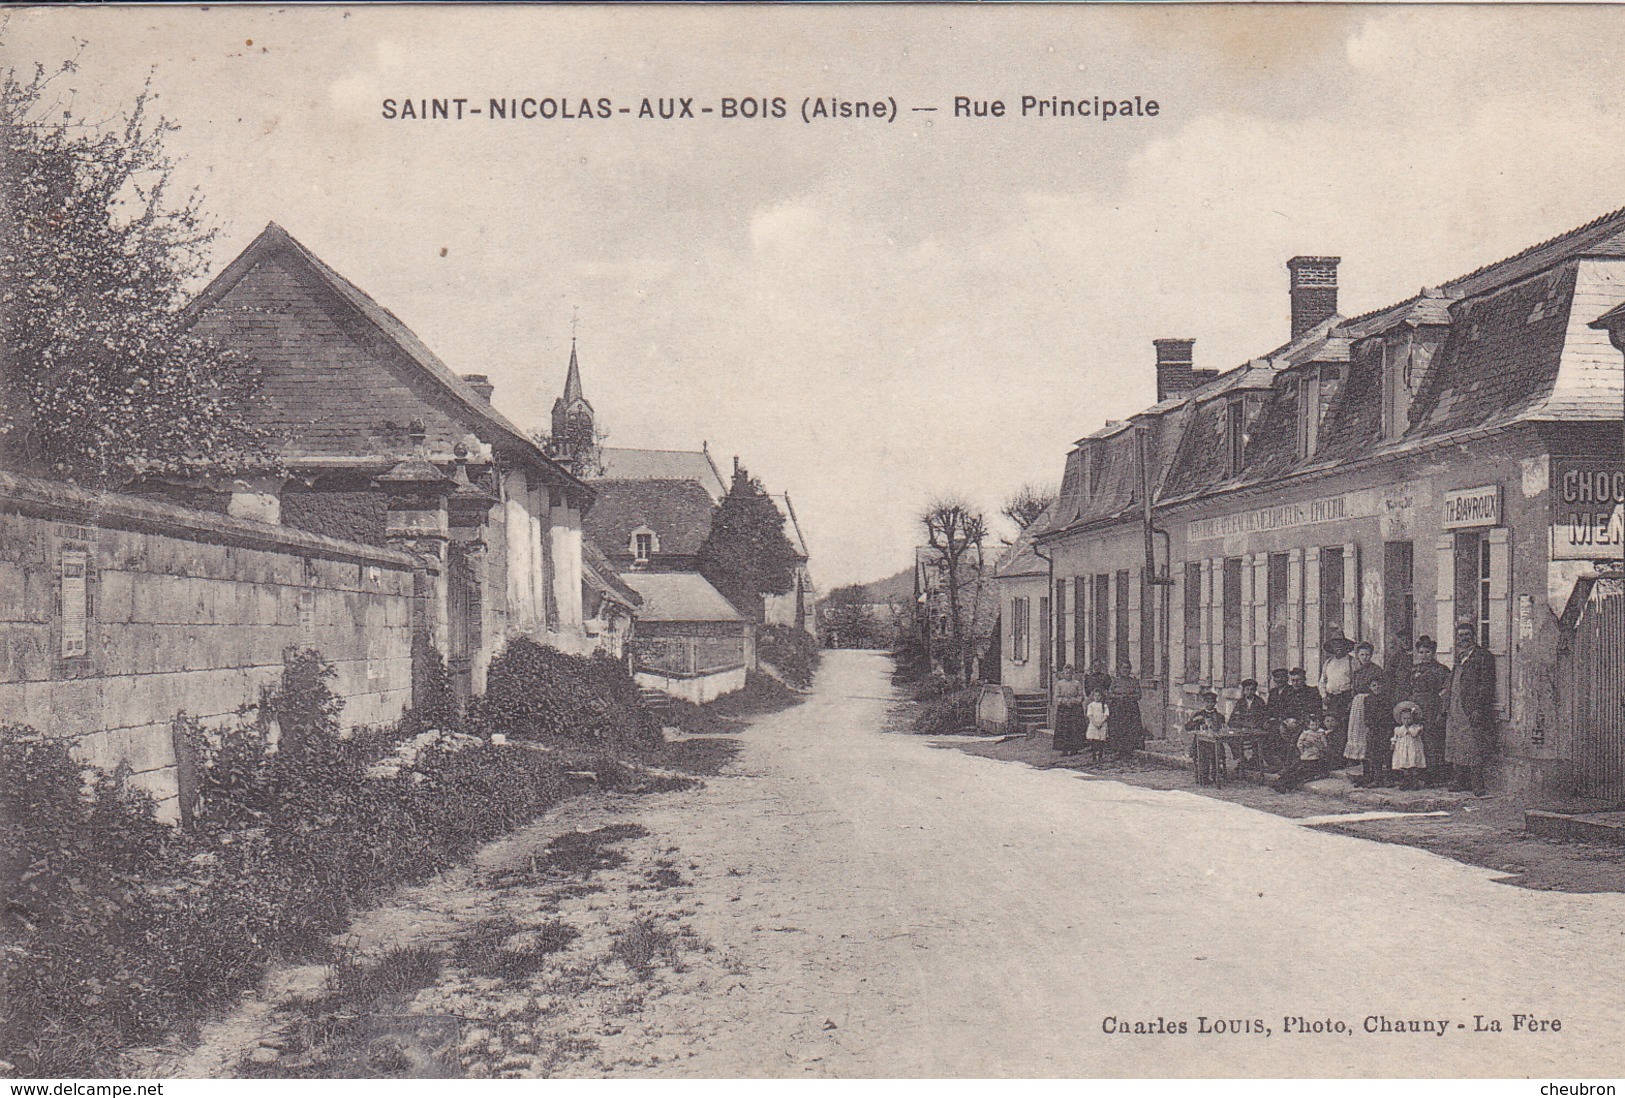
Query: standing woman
[1068, 712]
[1125, 730]
[1369, 719]
[1427, 683]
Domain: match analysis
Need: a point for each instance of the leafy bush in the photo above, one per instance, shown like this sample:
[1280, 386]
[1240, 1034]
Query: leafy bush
[434, 702]
[949, 714]
[794, 652]
[536, 692]
[118, 929]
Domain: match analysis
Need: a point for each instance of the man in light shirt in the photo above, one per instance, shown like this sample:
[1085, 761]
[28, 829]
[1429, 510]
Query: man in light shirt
[1337, 688]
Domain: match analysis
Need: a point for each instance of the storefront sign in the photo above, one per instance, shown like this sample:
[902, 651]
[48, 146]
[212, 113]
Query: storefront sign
[1472, 507]
[1588, 509]
[1281, 517]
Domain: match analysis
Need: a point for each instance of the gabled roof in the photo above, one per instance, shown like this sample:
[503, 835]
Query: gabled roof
[679, 512]
[679, 596]
[598, 573]
[792, 524]
[1021, 559]
[633, 464]
[275, 240]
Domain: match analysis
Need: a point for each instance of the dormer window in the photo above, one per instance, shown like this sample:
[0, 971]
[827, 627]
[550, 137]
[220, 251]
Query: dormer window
[644, 544]
[1235, 434]
[1399, 376]
[1308, 413]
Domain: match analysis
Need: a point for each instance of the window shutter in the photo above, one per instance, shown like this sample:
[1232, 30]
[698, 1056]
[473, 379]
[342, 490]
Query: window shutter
[1311, 613]
[1294, 608]
[1445, 595]
[1351, 592]
[1080, 622]
[1207, 620]
[1176, 633]
[1261, 629]
[1134, 595]
[1500, 613]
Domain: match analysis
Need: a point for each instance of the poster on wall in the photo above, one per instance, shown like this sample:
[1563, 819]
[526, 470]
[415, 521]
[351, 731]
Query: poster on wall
[1588, 509]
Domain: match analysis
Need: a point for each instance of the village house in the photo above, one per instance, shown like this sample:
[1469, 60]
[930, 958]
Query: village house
[382, 443]
[652, 516]
[1021, 578]
[1433, 462]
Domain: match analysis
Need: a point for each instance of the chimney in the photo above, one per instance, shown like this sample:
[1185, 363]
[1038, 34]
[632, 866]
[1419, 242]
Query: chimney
[481, 384]
[1314, 290]
[1175, 373]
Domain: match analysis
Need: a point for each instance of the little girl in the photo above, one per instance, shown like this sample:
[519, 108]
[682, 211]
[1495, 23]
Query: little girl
[1410, 757]
[1097, 713]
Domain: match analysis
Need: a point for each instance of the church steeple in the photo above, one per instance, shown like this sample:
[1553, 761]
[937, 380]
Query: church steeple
[574, 440]
[572, 380]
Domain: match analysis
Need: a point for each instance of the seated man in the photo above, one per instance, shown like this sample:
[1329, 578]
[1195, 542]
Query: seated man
[1250, 714]
[1313, 749]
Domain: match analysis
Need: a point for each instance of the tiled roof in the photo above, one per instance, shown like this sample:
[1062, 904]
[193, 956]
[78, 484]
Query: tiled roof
[598, 573]
[792, 525]
[678, 511]
[1502, 355]
[474, 409]
[1520, 345]
[1021, 559]
[679, 596]
[632, 464]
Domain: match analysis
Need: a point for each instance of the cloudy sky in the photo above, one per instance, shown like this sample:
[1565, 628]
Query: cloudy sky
[871, 314]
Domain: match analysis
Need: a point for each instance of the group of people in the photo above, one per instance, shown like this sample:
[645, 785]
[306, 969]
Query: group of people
[1420, 724]
[1098, 712]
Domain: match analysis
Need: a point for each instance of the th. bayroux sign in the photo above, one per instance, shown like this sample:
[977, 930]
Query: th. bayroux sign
[1588, 509]
[1467, 507]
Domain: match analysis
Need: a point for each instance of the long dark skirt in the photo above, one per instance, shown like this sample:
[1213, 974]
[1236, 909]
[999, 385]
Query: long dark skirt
[1070, 724]
[1125, 731]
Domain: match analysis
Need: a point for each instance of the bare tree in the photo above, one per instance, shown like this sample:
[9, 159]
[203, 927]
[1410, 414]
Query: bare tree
[1025, 506]
[955, 532]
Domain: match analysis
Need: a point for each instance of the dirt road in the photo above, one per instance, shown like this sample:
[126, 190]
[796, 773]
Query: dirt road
[844, 901]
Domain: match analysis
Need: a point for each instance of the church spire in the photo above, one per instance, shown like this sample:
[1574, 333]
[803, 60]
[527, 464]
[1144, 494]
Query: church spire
[574, 440]
[572, 380]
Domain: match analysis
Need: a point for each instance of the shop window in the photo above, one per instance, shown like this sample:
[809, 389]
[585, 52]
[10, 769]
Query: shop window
[1193, 621]
[1331, 594]
[1121, 647]
[1398, 596]
[1019, 625]
[1103, 621]
[1275, 610]
[1231, 610]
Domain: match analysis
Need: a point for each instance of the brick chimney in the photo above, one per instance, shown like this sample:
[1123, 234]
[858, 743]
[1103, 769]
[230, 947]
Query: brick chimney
[1314, 290]
[481, 384]
[1175, 373]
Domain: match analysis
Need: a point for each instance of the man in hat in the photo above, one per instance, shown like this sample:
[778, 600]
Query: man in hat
[1469, 729]
[1426, 682]
[1337, 689]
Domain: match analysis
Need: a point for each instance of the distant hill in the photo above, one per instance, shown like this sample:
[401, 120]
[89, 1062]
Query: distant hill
[882, 590]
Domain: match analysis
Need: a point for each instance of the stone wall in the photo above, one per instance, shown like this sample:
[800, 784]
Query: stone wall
[116, 613]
